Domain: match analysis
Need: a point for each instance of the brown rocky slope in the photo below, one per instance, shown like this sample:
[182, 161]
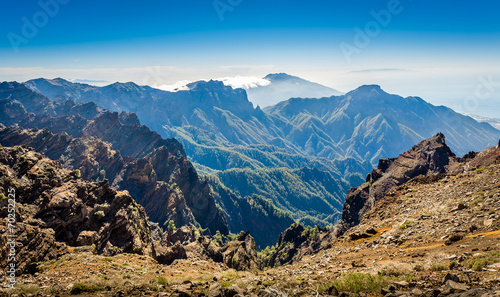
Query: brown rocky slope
[55, 210]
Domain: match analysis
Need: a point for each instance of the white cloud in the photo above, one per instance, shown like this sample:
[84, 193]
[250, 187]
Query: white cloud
[178, 86]
[495, 122]
[245, 82]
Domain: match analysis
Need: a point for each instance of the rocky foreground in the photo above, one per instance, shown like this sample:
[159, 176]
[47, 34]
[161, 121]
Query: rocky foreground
[58, 213]
[434, 234]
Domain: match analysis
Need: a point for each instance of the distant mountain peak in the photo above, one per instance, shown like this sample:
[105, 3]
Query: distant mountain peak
[128, 84]
[54, 81]
[10, 84]
[369, 88]
[57, 79]
[280, 76]
[284, 86]
[368, 92]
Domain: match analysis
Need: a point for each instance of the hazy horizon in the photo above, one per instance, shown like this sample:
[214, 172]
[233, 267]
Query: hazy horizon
[444, 52]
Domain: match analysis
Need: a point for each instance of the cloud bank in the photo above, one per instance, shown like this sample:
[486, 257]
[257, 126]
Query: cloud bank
[245, 82]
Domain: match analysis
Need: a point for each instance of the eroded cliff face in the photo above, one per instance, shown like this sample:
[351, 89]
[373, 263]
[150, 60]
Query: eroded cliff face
[56, 210]
[158, 181]
[198, 197]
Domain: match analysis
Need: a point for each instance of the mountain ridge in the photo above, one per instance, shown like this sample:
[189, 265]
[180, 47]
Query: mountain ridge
[417, 120]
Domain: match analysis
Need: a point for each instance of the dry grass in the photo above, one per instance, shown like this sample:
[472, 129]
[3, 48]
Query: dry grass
[439, 266]
[479, 262]
[396, 269]
[361, 282]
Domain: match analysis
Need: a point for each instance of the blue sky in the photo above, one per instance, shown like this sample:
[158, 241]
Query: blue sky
[442, 51]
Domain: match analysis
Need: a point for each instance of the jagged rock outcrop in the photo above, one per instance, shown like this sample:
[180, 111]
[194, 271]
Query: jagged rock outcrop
[370, 208]
[183, 235]
[429, 157]
[55, 210]
[197, 194]
[162, 200]
[13, 112]
[95, 158]
[241, 254]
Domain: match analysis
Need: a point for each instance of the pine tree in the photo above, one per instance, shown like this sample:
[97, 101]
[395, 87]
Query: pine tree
[171, 225]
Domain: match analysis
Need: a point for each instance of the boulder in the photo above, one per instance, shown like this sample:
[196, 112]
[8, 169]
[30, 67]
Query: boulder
[233, 290]
[452, 287]
[215, 290]
[451, 276]
[167, 255]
